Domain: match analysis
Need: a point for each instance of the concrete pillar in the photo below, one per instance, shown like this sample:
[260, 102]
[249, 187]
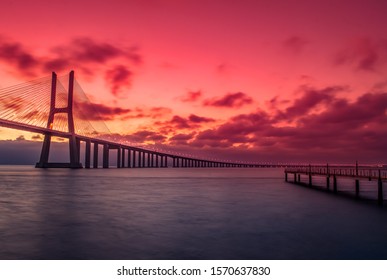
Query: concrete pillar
[87, 154]
[143, 159]
[123, 157]
[95, 156]
[105, 156]
[119, 157]
[134, 158]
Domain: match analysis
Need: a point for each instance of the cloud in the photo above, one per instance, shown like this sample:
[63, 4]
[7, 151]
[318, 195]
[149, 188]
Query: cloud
[192, 96]
[152, 113]
[196, 119]
[83, 54]
[230, 100]
[118, 78]
[295, 44]
[98, 112]
[363, 54]
[21, 138]
[310, 99]
[145, 136]
[178, 122]
[17, 56]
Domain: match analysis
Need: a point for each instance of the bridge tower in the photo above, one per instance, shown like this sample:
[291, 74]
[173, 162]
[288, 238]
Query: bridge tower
[74, 143]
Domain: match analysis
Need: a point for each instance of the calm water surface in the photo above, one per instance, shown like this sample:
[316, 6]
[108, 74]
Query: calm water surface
[180, 214]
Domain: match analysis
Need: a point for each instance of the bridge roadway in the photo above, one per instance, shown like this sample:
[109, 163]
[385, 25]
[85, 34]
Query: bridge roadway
[127, 156]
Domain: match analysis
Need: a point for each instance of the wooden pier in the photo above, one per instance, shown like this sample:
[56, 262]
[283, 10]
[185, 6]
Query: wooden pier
[332, 173]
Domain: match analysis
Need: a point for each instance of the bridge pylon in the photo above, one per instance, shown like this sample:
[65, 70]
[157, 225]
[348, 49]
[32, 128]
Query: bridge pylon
[74, 143]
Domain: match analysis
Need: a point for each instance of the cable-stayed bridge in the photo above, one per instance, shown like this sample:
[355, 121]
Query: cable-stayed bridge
[47, 107]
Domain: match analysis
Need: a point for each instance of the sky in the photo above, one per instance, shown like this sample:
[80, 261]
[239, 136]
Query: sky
[250, 80]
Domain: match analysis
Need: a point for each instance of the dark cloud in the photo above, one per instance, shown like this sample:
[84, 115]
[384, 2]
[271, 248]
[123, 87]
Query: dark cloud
[363, 54]
[196, 119]
[17, 56]
[310, 99]
[178, 122]
[36, 137]
[230, 100]
[20, 138]
[145, 136]
[295, 44]
[192, 96]
[97, 112]
[82, 54]
[118, 78]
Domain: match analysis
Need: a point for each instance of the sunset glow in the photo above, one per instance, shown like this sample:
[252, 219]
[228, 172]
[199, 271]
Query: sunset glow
[246, 80]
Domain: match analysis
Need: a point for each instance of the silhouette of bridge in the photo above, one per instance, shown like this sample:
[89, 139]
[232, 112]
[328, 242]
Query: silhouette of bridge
[46, 107]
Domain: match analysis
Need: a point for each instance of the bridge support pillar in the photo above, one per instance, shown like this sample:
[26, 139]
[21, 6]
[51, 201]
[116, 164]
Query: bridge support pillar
[334, 184]
[129, 158]
[134, 159]
[87, 154]
[123, 157]
[143, 159]
[105, 163]
[119, 157]
[95, 155]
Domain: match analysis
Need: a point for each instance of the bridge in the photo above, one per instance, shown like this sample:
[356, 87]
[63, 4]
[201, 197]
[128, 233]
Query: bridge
[46, 107]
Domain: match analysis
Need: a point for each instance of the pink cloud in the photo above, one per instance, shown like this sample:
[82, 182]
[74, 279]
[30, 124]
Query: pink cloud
[295, 44]
[192, 96]
[230, 100]
[363, 54]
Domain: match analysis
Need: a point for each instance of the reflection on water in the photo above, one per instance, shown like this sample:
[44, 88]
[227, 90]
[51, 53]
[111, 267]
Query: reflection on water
[180, 214]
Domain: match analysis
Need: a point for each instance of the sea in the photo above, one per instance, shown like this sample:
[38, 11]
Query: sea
[179, 214]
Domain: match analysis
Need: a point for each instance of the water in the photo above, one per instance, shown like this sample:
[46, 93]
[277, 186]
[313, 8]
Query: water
[180, 214]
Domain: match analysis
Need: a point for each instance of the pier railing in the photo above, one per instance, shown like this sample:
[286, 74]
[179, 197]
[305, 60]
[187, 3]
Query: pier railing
[368, 172]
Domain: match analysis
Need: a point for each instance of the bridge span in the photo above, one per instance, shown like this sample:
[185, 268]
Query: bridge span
[46, 107]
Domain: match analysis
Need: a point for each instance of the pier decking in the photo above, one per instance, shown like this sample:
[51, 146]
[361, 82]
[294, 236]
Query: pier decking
[307, 175]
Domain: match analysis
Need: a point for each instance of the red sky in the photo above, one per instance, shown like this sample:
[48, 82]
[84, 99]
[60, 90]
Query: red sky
[246, 80]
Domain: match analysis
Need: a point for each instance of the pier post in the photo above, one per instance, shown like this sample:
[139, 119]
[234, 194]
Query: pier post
[380, 190]
[310, 175]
